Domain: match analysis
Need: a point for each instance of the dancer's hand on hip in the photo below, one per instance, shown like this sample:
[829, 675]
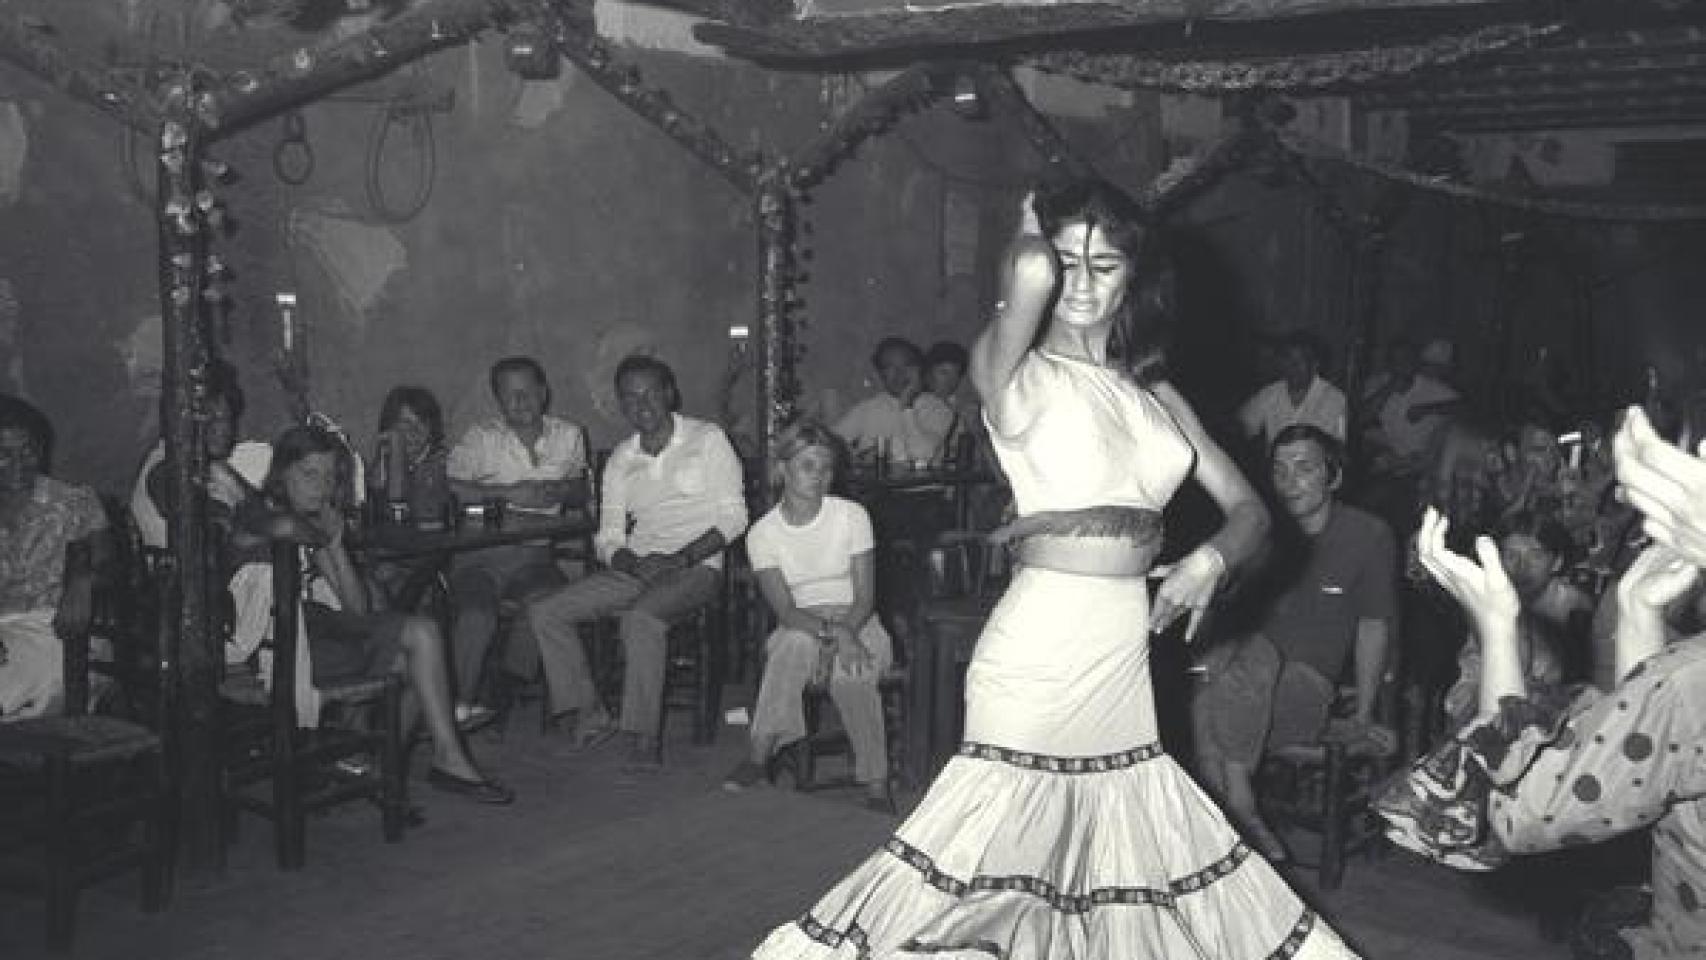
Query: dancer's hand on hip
[1187, 588]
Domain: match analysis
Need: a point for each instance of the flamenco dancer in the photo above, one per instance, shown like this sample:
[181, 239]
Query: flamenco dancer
[1062, 829]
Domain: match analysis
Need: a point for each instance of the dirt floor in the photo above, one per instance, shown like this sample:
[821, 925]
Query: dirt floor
[593, 863]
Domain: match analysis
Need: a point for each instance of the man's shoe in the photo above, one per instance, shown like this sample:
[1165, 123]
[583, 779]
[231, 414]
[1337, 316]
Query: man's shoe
[745, 774]
[473, 717]
[480, 791]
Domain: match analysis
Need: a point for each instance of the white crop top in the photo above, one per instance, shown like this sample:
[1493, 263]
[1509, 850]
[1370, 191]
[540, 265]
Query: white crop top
[1087, 436]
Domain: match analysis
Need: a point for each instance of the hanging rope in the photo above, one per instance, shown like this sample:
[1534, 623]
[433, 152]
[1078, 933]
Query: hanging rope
[418, 120]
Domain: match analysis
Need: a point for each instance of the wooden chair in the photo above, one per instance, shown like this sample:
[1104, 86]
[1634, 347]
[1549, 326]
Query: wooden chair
[695, 665]
[266, 746]
[82, 797]
[1326, 787]
[799, 761]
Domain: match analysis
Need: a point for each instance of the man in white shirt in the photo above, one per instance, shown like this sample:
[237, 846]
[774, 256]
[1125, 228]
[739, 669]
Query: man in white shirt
[905, 423]
[1403, 410]
[1299, 396]
[536, 463]
[672, 499]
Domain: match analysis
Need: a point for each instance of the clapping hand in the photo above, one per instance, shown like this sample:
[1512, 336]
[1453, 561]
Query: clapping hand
[1655, 580]
[1665, 483]
[1484, 589]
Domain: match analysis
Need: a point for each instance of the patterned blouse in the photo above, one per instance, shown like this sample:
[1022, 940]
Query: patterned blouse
[32, 546]
[1545, 775]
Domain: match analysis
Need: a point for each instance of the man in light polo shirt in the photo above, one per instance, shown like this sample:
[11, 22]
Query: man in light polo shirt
[1299, 396]
[1333, 596]
[905, 423]
[535, 463]
[1403, 411]
[672, 500]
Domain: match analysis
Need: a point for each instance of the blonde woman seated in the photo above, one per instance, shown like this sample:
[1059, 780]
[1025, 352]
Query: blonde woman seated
[813, 557]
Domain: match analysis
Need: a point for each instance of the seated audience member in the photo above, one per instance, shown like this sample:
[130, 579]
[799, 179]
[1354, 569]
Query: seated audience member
[535, 463]
[234, 470]
[53, 539]
[1335, 595]
[1532, 481]
[1299, 396]
[904, 423]
[1535, 771]
[304, 494]
[1403, 409]
[1553, 622]
[945, 366]
[672, 500]
[813, 557]
[1438, 360]
[409, 458]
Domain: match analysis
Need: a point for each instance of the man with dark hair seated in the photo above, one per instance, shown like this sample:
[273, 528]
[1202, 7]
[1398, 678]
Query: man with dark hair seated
[905, 423]
[1334, 594]
[670, 502]
[52, 540]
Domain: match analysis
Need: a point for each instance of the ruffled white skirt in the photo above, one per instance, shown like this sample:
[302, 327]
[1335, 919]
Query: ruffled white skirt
[1061, 831]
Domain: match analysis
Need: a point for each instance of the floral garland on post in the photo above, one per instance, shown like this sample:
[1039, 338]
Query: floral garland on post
[1307, 72]
[782, 190]
[907, 92]
[779, 386]
[188, 215]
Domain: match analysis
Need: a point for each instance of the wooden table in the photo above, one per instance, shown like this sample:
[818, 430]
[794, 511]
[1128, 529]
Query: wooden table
[427, 553]
[868, 484]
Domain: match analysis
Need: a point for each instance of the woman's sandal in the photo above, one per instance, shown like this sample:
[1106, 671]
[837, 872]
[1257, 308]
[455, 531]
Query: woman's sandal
[480, 791]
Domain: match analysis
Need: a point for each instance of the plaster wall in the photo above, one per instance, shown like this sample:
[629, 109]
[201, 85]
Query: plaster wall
[559, 224]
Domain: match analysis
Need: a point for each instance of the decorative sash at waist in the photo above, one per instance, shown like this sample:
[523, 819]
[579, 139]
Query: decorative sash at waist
[1096, 541]
[1134, 523]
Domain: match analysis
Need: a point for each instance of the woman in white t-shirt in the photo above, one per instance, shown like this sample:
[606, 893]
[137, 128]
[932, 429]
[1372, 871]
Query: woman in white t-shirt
[813, 557]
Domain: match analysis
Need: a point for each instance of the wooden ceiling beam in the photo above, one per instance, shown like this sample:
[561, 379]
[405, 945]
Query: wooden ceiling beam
[1532, 68]
[750, 13]
[1561, 91]
[289, 79]
[35, 50]
[1517, 122]
[890, 33]
[1583, 112]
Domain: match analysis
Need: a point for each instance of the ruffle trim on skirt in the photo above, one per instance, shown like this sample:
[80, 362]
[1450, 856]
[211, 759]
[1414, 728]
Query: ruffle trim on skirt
[1019, 855]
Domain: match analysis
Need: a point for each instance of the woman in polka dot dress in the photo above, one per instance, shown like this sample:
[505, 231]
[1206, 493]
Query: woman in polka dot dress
[1537, 773]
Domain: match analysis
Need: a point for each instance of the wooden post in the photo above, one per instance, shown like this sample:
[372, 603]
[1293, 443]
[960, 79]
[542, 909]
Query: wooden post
[775, 341]
[190, 649]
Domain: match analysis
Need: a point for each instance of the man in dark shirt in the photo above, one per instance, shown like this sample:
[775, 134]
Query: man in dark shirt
[1335, 598]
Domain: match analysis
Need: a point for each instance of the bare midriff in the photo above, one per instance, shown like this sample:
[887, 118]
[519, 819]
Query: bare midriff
[1098, 541]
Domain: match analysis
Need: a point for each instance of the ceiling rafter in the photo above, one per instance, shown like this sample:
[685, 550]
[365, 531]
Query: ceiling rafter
[1551, 92]
[890, 32]
[1570, 120]
[1691, 104]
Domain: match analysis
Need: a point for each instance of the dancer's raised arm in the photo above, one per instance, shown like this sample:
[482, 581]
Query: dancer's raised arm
[1027, 288]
